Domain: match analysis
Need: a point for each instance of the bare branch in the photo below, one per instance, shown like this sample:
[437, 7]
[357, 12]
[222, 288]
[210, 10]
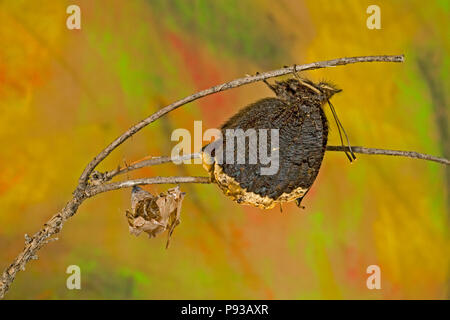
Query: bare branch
[92, 191]
[36, 242]
[146, 162]
[399, 153]
[370, 151]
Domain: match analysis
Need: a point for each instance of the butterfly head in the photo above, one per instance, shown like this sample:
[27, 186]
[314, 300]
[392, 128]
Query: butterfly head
[327, 89]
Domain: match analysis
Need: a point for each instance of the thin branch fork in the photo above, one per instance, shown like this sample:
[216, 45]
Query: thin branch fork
[93, 183]
[386, 152]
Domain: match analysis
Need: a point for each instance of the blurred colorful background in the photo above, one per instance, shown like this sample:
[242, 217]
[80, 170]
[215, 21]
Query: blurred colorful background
[65, 94]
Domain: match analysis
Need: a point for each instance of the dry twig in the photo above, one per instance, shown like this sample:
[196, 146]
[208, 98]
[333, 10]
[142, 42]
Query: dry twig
[386, 152]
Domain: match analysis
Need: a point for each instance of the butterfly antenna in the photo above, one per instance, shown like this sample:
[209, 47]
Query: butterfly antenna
[303, 82]
[339, 130]
[339, 126]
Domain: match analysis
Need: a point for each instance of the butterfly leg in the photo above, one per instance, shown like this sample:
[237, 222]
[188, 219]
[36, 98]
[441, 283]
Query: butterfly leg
[303, 82]
[298, 201]
[268, 84]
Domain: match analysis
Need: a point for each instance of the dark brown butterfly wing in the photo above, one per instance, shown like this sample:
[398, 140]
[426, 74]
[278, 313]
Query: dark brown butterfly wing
[303, 135]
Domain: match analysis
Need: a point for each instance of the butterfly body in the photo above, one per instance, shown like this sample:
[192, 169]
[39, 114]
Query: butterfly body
[297, 113]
